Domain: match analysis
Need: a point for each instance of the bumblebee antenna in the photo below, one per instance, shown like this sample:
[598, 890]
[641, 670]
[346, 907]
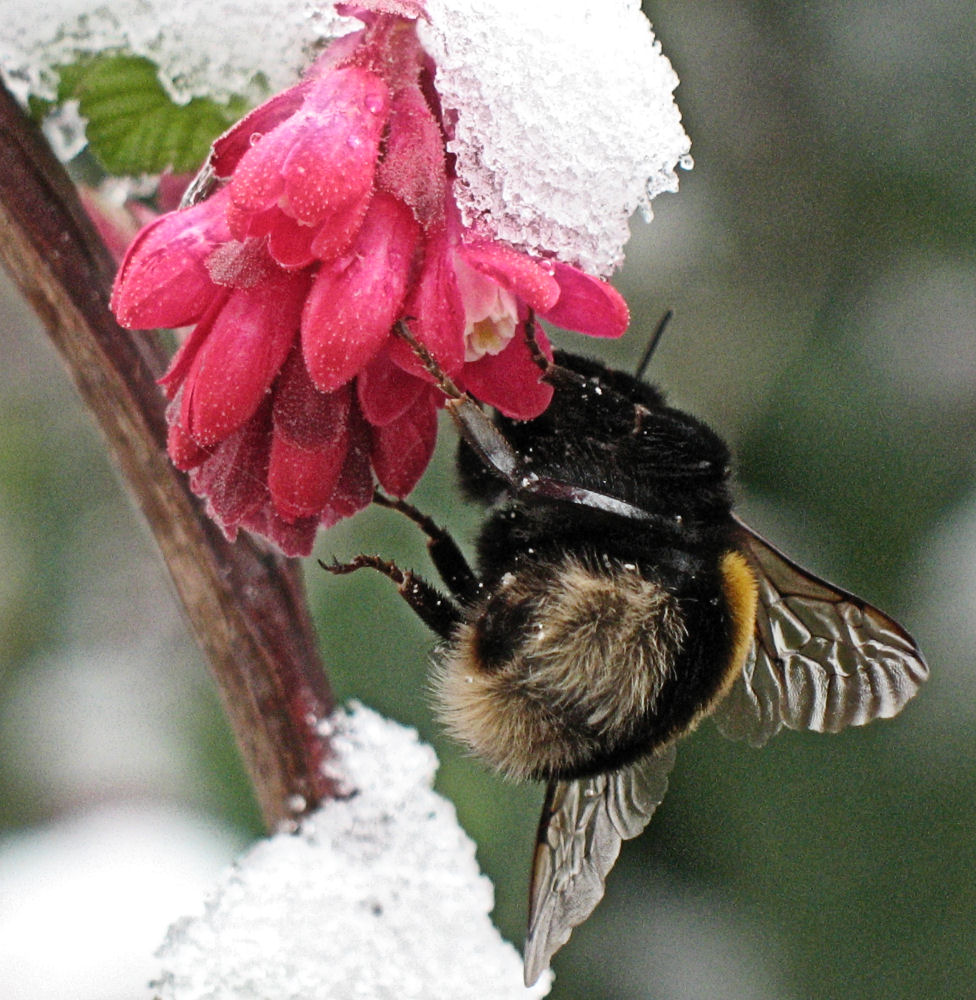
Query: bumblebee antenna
[652, 346]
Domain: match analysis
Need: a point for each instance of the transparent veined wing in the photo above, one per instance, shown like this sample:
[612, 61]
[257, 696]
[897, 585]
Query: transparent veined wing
[583, 824]
[822, 659]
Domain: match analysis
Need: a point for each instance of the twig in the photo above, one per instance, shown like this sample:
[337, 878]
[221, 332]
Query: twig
[247, 605]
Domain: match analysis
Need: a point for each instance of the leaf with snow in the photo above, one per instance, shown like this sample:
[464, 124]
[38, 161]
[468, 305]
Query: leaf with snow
[134, 126]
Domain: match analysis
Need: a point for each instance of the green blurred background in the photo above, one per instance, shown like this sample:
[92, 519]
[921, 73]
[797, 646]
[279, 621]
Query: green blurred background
[821, 263]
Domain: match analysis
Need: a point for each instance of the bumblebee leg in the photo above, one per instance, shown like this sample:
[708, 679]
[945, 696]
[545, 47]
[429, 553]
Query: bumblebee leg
[429, 362]
[447, 558]
[474, 425]
[439, 613]
[541, 361]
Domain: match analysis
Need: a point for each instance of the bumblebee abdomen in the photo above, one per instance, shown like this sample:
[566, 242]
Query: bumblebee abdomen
[560, 671]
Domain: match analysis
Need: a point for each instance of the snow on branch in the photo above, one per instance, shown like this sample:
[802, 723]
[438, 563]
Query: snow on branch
[377, 895]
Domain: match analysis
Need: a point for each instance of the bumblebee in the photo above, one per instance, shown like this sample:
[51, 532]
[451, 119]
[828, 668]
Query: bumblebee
[618, 601]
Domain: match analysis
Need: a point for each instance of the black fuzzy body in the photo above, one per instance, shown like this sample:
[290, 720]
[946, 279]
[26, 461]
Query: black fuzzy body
[612, 436]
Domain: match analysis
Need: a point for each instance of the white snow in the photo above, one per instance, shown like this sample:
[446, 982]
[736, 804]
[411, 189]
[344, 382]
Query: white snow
[377, 896]
[565, 121]
[211, 48]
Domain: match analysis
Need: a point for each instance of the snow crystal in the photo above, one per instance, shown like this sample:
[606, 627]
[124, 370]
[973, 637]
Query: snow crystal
[562, 111]
[378, 895]
[211, 49]
[565, 120]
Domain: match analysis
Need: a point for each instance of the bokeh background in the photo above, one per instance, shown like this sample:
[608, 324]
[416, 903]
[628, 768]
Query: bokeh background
[821, 263]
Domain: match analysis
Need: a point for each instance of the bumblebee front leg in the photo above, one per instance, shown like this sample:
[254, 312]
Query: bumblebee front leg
[447, 558]
[538, 357]
[474, 425]
[438, 612]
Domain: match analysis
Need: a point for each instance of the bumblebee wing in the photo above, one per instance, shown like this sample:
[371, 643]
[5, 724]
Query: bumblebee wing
[582, 826]
[821, 658]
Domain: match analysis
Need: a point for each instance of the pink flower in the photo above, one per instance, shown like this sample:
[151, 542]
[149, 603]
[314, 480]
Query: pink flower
[118, 223]
[334, 222]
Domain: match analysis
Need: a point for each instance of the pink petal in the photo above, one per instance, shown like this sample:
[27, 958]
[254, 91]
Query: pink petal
[246, 264]
[244, 223]
[479, 293]
[587, 304]
[310, 441]
[510, 381]
[290, 243]
[323, 158]
[184, 452]
[528, 280]
[163, 280]
[304, 415]
[242, 353]
[385, 391]
[434, 313]
[238, 139]
[233, 478]
[402, 449]
[413, 168]
[293, 538]
[301, 480]
[354, 302]
[182, 361]
[354, 490]
[258, 184]
[338, 231]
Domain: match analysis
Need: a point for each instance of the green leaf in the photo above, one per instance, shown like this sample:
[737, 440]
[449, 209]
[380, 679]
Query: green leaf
[133, 125]
[38, 108]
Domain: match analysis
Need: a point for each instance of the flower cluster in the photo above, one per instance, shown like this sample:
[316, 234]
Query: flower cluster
[334, 221]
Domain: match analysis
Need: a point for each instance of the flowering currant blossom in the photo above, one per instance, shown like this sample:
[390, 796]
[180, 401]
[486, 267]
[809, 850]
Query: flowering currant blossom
[334, 222]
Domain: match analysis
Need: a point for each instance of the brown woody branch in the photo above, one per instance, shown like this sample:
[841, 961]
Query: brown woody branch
[246, 604]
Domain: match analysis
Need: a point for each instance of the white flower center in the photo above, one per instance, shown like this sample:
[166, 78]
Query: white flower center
[490, 313]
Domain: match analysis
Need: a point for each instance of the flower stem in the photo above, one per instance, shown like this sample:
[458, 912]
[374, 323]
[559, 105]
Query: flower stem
[247, 605]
